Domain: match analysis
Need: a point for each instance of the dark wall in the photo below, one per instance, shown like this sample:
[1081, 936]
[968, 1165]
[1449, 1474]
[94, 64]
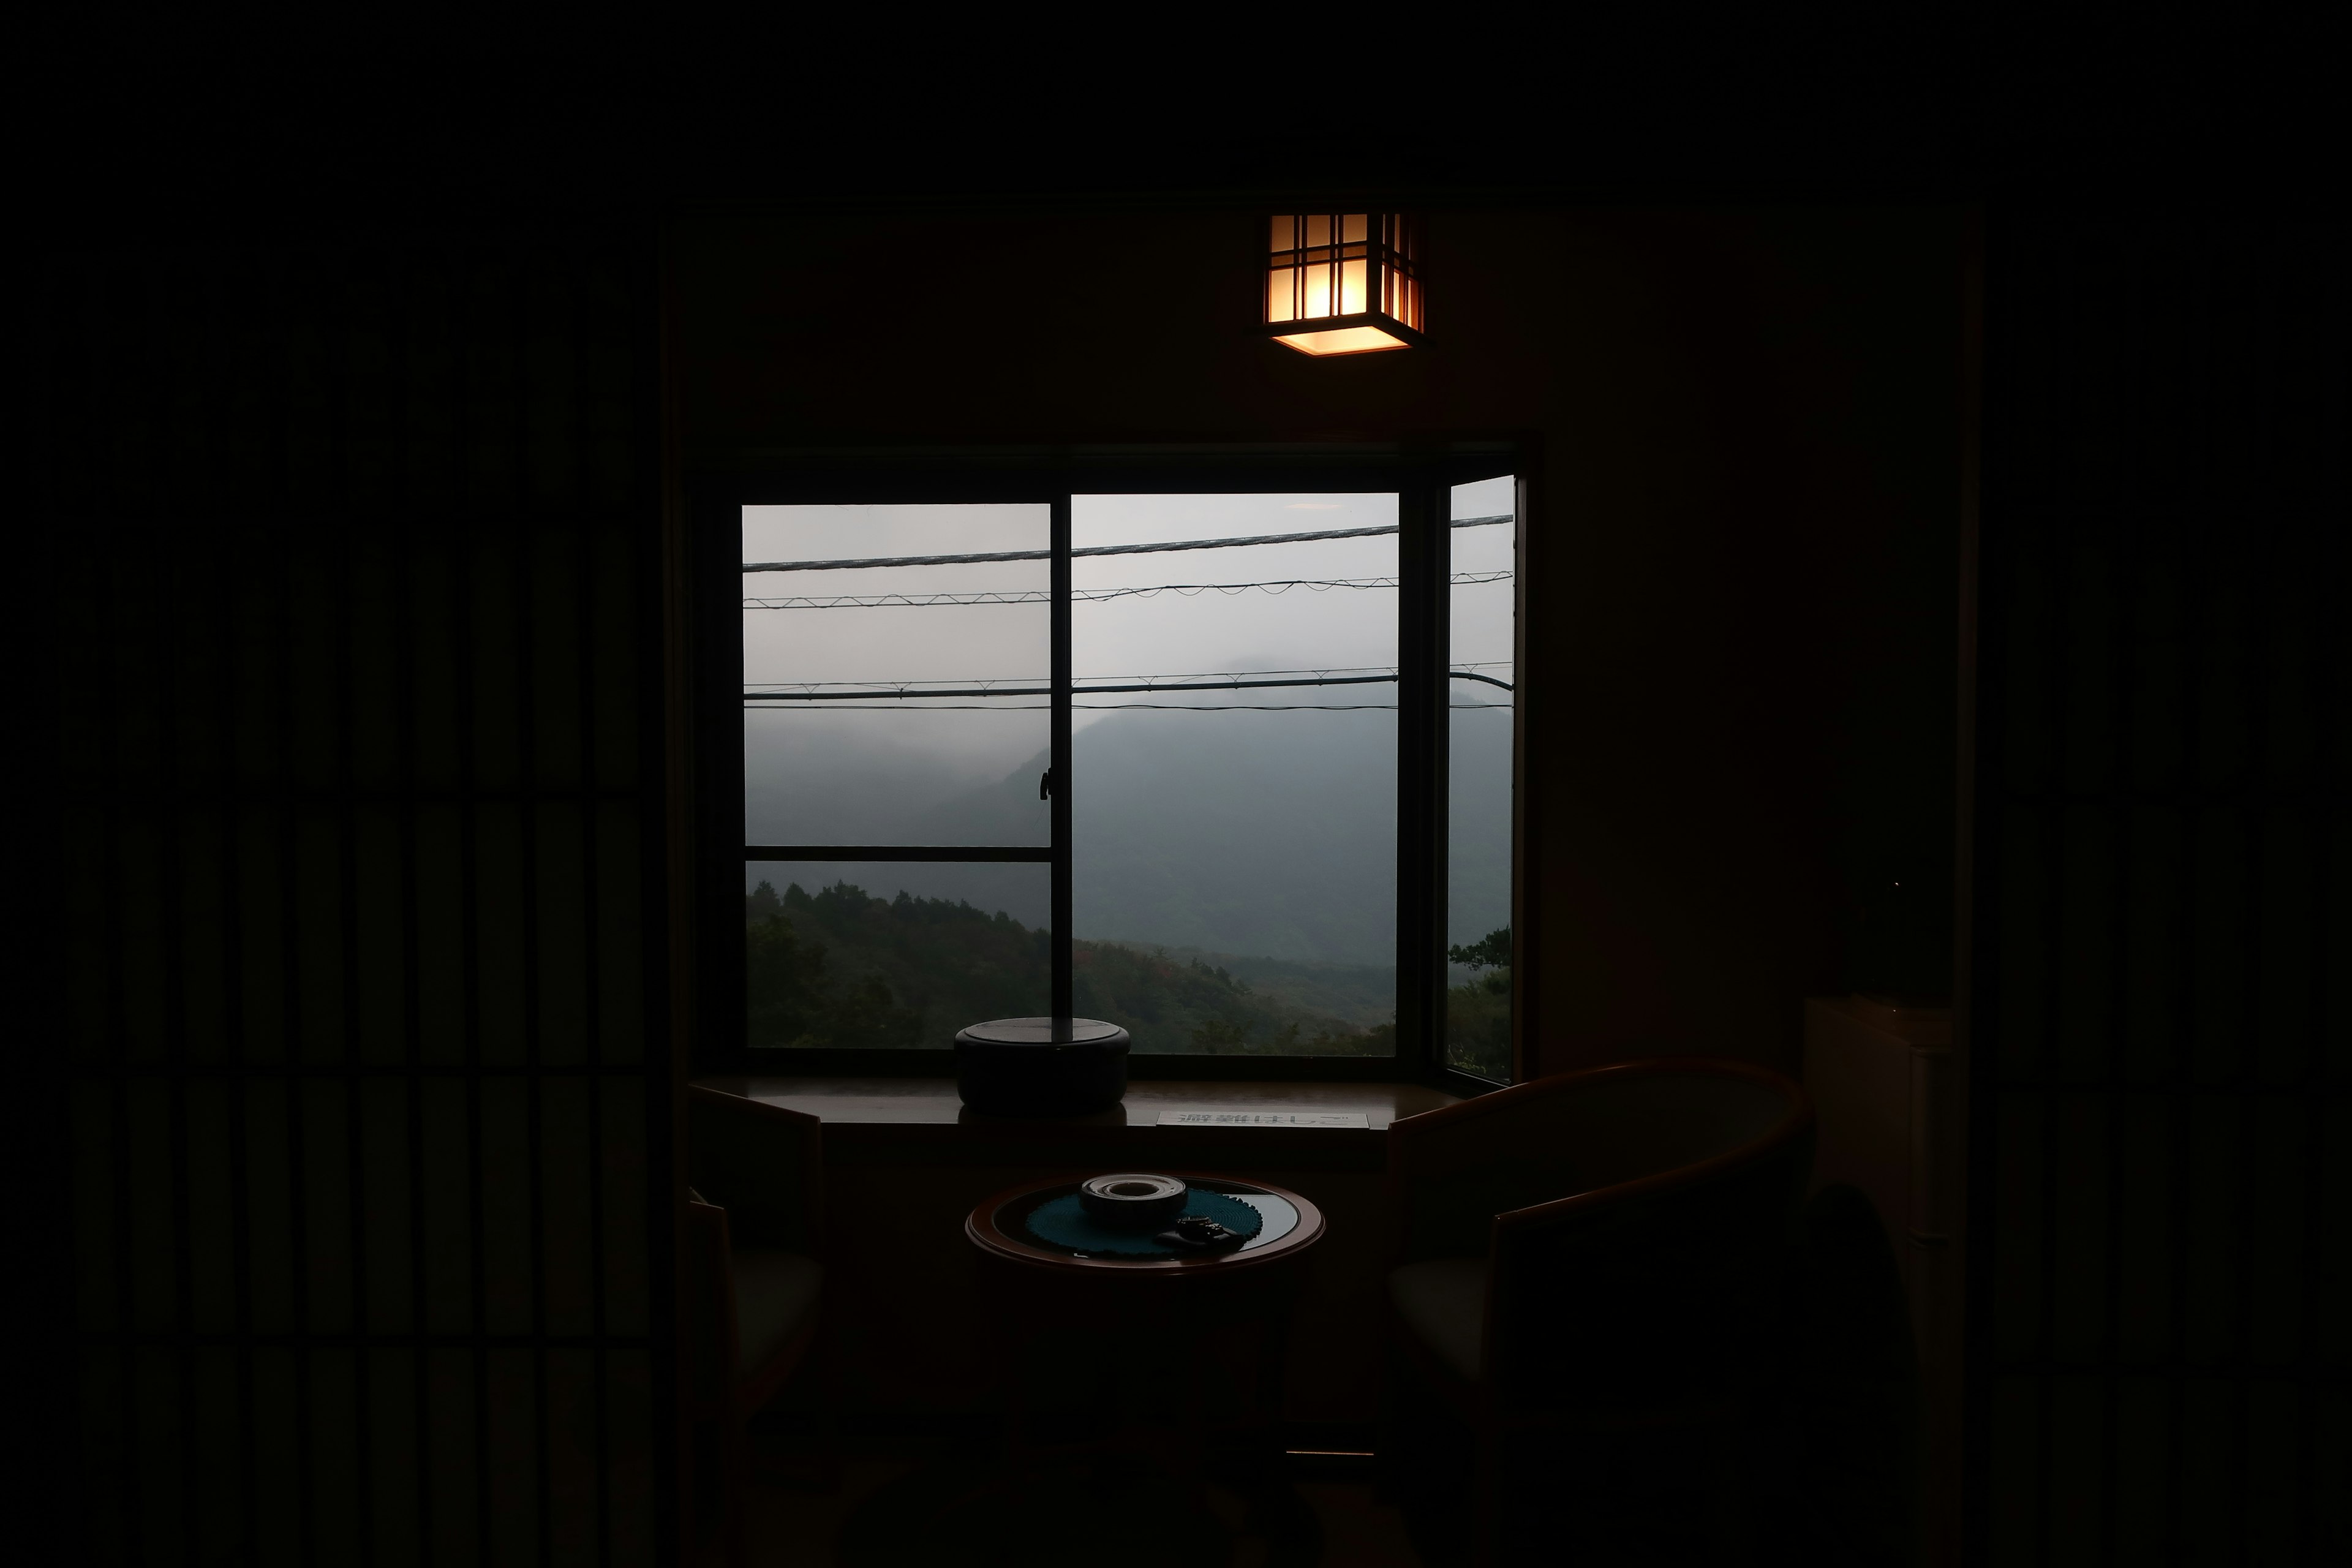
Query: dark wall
[1743, 432]
[352, 599]
[2162, 1083]
[351, 559]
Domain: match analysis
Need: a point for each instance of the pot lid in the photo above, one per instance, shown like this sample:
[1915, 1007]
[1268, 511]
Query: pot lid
[1041, 1032]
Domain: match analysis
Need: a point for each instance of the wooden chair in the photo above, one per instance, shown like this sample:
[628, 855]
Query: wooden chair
[754, 1228]
[1585, 1258]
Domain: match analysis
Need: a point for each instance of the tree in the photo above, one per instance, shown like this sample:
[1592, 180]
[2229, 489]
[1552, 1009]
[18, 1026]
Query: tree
[839, 966]
[785, 982]
[1220, 1035]
[1492, 950]
[1478, 1015]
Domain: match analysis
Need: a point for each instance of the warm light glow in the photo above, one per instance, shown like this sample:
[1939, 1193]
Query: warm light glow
[1341, 341]
[1353, 270]
[1278, 286]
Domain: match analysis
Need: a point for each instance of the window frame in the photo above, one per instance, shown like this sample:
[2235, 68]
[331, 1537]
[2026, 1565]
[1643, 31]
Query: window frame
[1423, 482]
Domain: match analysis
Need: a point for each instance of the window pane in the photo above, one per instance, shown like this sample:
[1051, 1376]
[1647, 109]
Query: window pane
[848, 749]
[1478, 788]
[1281, 286]
[1234, 850]
[892, 957]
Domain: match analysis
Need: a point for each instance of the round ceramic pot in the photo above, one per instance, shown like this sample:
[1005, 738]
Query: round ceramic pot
[1041, 1066]
[1134, 1201]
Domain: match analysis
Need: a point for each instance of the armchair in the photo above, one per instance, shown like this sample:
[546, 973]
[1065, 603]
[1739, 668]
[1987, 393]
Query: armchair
[753, 1234]
[1589, 1254]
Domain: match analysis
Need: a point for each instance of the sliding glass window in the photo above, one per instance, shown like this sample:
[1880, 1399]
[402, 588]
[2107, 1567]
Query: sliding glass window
[898, 705]
[1236, 777]
[1482, 636]
[1180, 762]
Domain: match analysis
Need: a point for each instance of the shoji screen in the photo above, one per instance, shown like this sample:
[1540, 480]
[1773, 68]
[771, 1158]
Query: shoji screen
[2163, 895]
[356, 554]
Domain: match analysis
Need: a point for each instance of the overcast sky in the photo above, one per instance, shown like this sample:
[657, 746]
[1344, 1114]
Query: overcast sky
[828, 773]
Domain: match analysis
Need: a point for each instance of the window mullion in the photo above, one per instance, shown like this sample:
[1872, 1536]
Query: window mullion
[1064, 975]
[1421, 650]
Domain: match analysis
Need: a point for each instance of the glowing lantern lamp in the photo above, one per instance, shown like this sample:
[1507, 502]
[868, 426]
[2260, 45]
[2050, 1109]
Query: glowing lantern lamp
[1342, 283]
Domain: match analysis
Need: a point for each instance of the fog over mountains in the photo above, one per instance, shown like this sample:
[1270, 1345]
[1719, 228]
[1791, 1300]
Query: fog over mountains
[1258, 835]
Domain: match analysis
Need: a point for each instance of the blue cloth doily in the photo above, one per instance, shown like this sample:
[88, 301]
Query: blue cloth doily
[1063, 1222]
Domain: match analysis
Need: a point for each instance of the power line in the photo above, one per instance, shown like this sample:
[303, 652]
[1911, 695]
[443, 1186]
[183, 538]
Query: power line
[865, 691]
[1008, 685]
[1091, 595]
[1228, 685]
[787, 687]
[1160, 548]
[1275, 707]
[1169, 708]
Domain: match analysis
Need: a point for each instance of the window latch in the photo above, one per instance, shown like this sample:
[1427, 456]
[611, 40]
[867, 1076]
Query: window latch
[1046, 784]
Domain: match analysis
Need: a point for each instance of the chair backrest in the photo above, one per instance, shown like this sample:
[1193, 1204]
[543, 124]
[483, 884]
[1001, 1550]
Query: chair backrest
[1637, 1211]
[762, 1163]
[707, 1326]
[1452, 1170]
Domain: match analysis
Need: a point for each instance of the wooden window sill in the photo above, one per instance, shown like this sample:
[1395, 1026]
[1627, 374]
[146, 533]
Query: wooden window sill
[921, 1120]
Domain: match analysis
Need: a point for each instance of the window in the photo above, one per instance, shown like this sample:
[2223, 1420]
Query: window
[897, 726]
[1229, 765]
[1482, 628]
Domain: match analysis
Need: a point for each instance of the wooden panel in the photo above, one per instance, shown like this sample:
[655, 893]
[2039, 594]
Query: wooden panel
[921, 1120]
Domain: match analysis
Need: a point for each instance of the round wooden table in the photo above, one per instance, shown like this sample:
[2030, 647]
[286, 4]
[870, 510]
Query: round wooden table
[1161, 1309]
[1293, 1224]
[1152, 1340]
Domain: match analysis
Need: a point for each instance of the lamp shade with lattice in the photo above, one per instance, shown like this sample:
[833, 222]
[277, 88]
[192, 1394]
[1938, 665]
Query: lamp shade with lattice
[1342, 283]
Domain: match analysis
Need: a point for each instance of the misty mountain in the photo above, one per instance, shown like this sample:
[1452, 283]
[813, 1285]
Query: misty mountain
[1363, 994]
[1266, 835]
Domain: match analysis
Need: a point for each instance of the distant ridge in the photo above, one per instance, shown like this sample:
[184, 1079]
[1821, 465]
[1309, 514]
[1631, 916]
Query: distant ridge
[1271, 836]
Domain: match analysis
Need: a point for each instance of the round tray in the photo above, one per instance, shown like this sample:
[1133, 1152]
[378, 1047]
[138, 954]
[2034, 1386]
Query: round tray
[1059, 1225]
[1289, 1223]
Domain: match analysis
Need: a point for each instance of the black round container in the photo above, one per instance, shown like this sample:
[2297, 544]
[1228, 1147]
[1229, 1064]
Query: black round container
[1017, 1066]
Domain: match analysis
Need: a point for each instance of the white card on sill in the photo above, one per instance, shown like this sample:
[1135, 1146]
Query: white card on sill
[1208, 1118]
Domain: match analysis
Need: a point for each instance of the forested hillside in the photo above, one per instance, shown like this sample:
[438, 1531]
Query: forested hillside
[1270, 834]
[843, 967]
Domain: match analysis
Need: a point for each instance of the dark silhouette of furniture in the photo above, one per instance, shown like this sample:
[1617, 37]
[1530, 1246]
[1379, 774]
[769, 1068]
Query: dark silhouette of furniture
[753, 1247]
[1579, 1260]
[1033, 1290]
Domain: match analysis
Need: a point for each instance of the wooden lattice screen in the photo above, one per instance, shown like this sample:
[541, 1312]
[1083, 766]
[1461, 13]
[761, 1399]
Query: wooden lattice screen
[354, 562]
[2162, 932]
